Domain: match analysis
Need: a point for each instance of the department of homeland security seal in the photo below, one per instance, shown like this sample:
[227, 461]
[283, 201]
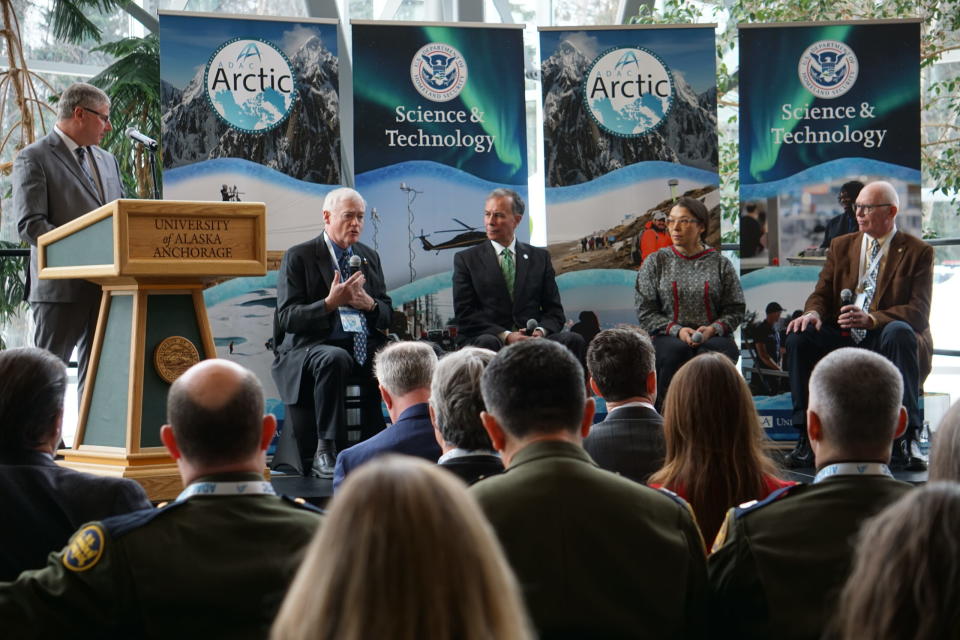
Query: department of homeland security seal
[438, 72]
[173, 356]
[828, 68]
[84, 549]
[628, 91]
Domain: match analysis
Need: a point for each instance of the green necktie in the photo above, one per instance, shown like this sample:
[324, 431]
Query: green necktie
[509, 269]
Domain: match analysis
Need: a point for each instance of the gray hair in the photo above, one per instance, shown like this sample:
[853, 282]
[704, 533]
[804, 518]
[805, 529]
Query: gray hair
[857, 395]
[945, 453]
[456, 399]
[402, 367]
[80, 94]
[338, 195]
[888, 191]
[502, 192]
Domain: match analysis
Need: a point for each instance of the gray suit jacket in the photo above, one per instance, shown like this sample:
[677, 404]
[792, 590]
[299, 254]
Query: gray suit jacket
[629, 442]
[50, 189]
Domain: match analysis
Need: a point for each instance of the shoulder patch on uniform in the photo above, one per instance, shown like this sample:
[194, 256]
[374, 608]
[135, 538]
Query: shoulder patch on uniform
[302, 504]
[679, 500]
[85, 548]
[753, 505]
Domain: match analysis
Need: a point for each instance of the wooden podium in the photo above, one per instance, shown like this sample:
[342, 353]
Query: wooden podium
[153, 258]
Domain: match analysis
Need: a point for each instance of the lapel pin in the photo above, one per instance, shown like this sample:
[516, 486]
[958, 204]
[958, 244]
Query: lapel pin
[524, 256]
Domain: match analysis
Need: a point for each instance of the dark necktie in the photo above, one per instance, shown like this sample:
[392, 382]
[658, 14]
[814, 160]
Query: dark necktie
[360, 337]
[82, 157]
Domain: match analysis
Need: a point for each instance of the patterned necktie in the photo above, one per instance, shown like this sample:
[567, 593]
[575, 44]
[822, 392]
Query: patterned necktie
[82, 157]
[869, 288]
[360, 337]
[509, 269]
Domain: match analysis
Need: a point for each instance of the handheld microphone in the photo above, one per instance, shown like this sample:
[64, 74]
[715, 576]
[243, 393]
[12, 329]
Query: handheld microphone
[146, 141]
[846, 297]
[697, 337]
[354, 264]
[532, 326]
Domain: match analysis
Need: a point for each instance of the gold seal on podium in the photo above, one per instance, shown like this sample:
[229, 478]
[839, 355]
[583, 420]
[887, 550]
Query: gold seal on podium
[173, 356]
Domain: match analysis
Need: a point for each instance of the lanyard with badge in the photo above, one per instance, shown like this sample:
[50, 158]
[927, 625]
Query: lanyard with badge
[852, 469]
[243, 488]
[349, 317]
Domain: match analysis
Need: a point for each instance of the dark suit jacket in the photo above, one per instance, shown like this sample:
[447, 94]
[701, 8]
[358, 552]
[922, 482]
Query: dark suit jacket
[412, 434]
[43, 504]
[480, 298]
[780, 564]
[49, 190]
[306, 273]
[838, 226]
[585, 545]
[629, 442]
[903, 290]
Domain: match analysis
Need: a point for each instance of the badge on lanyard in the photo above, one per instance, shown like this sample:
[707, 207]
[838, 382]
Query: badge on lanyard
[350, 319]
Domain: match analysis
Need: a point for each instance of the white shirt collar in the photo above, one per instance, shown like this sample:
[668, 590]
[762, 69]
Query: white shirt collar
[498, 248]
[67, 140]
[639, 403]
[457, 452]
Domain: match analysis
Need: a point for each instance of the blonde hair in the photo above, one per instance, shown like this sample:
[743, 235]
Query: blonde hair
[714, 452]
[404, 553]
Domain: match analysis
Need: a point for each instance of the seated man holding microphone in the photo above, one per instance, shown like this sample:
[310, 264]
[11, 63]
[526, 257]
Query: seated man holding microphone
[874, 292]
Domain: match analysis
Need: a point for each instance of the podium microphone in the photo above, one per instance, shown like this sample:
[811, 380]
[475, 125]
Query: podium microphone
[146, 141]
[353, 264]
[532, 326]
[846, 297]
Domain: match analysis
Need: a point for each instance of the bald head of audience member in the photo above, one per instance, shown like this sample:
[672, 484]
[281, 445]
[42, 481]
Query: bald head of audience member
[855, 409]
[404, 371]
[216, 420]
[32, 386]
[456, 401]
[533, 391]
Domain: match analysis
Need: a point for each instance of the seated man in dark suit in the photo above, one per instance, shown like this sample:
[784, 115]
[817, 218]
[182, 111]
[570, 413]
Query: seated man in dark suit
[332, 305]
[501, 285]
[582, 541]
[778, 565]
[622, 369]
[43, 503]
[455, 406]
[404, 370]
[214, 563]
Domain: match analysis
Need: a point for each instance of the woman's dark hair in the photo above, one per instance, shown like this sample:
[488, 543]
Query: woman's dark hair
[698, 210]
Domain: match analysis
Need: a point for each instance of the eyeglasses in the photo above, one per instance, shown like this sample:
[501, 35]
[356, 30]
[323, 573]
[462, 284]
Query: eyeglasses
[681, 222]
[867, 209]
[105, 119]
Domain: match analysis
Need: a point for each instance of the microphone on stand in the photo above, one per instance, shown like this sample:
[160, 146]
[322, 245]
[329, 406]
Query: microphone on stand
[532, 326]
[846, 297]
[145, 140]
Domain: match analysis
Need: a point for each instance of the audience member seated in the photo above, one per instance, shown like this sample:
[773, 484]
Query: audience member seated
[215, 563]
[905, 580]
[715, 457]
[689, 297]
[404, 370]
[414, 558]
[597, 555]
[778, 563]
[630, 440]
[455, 406]
[945, 452]
[43, 503]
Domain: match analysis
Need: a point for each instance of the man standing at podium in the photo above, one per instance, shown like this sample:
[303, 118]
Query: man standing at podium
[333, 306]
[55, 180]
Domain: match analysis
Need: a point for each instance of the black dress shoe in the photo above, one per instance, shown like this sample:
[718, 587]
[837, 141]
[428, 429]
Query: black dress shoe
[802, 455]
[323, 466]
[907, 455]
